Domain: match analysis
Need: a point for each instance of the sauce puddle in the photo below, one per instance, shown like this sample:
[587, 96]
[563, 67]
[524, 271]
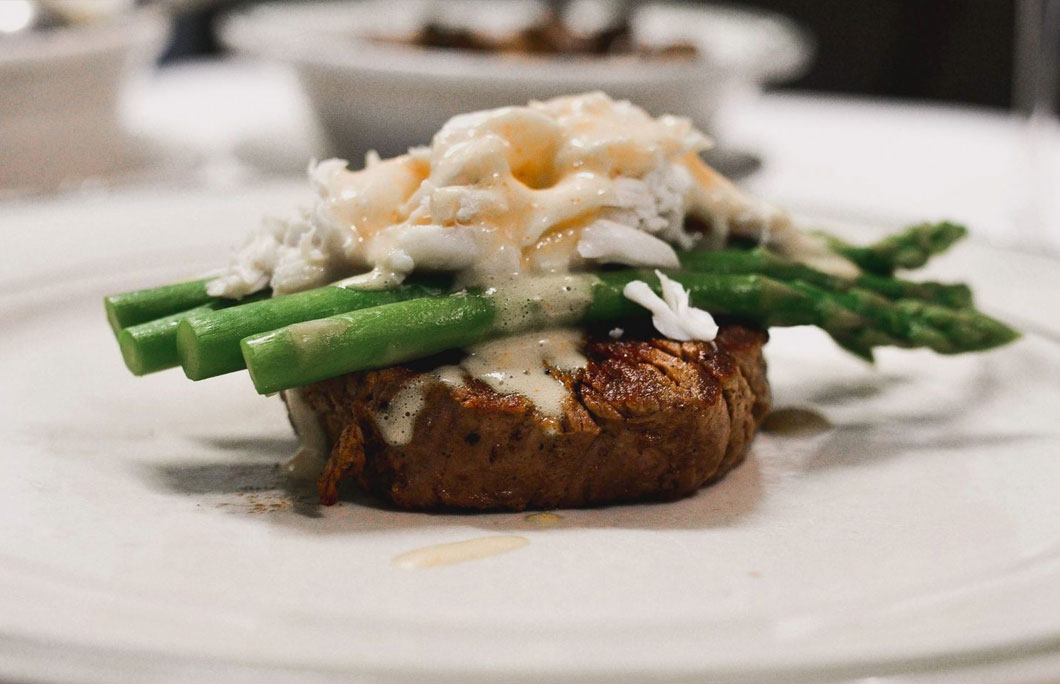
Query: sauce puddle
[544, 519]
[796, 421]
[459, 552]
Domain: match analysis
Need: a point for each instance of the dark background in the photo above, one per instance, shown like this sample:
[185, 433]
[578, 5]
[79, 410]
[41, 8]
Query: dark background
[953, 50]
[943, 50]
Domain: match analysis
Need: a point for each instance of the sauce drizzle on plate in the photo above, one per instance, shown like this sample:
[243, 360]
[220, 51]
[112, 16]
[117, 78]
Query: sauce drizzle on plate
[459, 552]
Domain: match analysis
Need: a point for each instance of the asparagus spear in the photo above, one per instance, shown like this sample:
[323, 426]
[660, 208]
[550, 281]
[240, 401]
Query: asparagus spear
[141, 306]
[887, 320]
[909, 249]
[368, 338]
[915, 323]
[371, 338]
[752, 297]
[950, 295]
[207, 342]
[969, 330]
[152, 346]
[862, 343]
[384, 335]
[759, 260]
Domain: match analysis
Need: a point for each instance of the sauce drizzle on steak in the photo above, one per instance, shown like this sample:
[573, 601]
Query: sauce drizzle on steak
[646, 418]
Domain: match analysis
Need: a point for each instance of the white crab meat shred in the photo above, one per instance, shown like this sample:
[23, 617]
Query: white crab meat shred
[554, 186]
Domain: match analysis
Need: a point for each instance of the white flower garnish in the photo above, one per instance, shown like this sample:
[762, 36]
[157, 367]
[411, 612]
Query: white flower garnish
[671, 314]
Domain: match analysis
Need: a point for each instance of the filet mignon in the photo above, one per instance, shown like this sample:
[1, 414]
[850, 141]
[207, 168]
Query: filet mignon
[647, 418]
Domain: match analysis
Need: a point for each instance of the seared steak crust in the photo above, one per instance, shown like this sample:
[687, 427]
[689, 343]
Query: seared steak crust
[647, 418]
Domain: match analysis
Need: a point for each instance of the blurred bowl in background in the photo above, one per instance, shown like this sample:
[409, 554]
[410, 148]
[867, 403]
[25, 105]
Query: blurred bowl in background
[59, 91]
[373, 94]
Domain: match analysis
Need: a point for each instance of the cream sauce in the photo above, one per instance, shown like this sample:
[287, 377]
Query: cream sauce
[544, 519]
[542, 301]
[522, 364]
[397, 421]
[526, 365]
[459, 552]
[310, 334]
[312, 455]
[548, 187]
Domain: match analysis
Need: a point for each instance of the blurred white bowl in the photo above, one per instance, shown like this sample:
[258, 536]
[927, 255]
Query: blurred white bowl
[373, 95]
[60, 87]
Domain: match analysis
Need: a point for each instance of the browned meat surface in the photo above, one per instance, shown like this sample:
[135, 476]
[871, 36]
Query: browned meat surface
[549, 36]
[646, 419]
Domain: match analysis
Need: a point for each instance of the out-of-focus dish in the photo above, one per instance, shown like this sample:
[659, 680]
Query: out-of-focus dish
[373, 95]
[550, 36]
[19, 17]
[60, 86]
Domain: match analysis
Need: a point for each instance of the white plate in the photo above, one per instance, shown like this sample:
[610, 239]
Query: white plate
[146, 536]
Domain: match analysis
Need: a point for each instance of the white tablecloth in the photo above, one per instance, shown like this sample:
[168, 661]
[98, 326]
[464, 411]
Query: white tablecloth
[898, 162]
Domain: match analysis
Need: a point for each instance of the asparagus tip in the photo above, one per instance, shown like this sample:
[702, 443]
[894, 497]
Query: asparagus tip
[998, 334]
[864, 353]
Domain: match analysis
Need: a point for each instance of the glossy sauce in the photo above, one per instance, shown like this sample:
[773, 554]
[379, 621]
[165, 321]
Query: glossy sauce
[511, 191]
[308, 462]
[397, 421]
[526, 365]
[521, 364]
[459, 552]
[544, 519]
[541, 301]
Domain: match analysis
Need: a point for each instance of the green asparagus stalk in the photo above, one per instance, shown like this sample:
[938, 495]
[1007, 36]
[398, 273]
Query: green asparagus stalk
[762, 261]
[912, 323]
[909, 249]
[949, 295]
[968, 330]
[207, 342]
[862, 343]
[371, 338]
[884, 317]
[141, 306]
[752, 297]
[152, 346]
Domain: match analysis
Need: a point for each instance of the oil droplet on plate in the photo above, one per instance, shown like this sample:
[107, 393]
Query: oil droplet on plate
[460, 552]
[544, 519]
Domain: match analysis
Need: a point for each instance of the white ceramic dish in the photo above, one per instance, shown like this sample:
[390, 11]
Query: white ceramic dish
[372, 95]
[59, 106]
[145, 535]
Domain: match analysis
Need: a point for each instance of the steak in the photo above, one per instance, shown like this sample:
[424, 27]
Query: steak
[646, 418]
